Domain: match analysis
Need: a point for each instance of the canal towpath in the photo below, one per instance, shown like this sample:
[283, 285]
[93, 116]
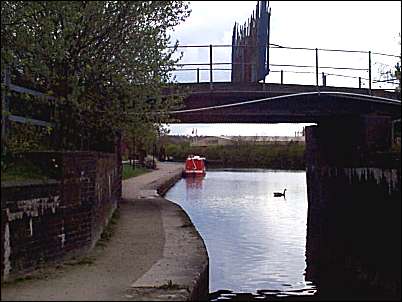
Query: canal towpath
[154, 253]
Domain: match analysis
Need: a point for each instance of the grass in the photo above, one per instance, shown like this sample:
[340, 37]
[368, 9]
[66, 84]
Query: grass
[129, 172]
[20, 279]
[85, 260]
[109, 229]
[27, 170]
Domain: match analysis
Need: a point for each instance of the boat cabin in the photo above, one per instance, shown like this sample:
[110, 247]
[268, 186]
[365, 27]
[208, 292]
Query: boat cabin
[195, 165]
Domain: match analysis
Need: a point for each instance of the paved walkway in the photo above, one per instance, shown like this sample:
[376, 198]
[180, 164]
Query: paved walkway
[134, 257]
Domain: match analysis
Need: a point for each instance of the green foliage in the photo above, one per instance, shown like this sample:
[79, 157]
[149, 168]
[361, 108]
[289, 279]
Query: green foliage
[178, 151]
[273, 156]
[397, 71]
[109, 229]
[104, 61]
[398, 74]
[129, 172]
[397, 128]
[6, 159]
[26, 137]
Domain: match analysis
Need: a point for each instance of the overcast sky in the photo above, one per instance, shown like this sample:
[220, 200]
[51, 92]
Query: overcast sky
[360, 25]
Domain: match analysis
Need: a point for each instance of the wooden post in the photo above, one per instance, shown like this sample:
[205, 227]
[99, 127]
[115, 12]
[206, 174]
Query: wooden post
[153, 156]
[133, 153]
[360, 82]
[370, 72]
[198, 75]
[281, 77]
[316, 68]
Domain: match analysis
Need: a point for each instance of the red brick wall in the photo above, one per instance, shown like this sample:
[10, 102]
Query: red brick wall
[44, 222]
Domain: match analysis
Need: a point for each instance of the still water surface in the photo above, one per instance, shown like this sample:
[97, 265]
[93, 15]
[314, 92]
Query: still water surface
[256, 242]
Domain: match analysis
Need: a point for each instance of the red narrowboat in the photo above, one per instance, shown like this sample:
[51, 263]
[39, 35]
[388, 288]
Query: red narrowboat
[195, 165]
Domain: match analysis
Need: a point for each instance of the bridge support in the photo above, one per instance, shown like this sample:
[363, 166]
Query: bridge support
[350, 138]
[354, 212]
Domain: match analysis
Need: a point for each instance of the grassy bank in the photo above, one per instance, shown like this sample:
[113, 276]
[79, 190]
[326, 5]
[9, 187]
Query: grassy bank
[273, 156]
[26, 170]
[129, 172]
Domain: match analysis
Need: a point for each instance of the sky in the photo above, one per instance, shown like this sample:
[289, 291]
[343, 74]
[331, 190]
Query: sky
[351, 25]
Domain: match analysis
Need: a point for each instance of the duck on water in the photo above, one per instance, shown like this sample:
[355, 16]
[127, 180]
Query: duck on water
[278, 194]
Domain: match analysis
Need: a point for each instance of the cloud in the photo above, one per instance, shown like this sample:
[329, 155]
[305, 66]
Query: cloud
[341, 25]
[353, 25]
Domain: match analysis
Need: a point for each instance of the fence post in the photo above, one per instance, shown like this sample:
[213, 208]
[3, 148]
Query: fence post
[263, 84]
[5, 107]
[198, 75]
[316, 68]
[324, 80]
[281, 77]
[370, 72]
[360, 82]
[210, 67]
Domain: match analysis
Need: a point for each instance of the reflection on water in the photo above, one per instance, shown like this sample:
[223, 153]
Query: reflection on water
[194, 182]
[256, 242]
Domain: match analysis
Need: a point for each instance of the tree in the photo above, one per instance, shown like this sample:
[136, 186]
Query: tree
[104, 61]
[397, 71]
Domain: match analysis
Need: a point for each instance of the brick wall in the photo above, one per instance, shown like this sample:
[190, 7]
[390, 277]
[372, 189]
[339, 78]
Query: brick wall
[46, 221]
[353, 247]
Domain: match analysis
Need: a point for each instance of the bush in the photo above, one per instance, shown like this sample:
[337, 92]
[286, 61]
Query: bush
[270, 156]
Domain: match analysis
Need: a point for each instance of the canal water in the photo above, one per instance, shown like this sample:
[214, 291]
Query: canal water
[256, 242]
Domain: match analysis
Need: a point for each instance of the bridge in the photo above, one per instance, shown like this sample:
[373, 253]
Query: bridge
[280, 103]
[259, 102]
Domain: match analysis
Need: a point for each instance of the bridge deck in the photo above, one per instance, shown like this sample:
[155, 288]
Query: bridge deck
[274, 88]
[238, 103]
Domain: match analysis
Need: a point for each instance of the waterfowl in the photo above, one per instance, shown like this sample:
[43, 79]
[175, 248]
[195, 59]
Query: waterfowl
[277, 194]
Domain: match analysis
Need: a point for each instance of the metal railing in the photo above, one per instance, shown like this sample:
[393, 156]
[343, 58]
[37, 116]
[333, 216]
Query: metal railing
[7, 116]
[316, 66]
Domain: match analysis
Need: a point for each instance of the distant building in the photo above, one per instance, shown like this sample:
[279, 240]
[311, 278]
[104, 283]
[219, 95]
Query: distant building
[212, 141]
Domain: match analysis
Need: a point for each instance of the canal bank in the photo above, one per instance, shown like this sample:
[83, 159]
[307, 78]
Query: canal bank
[155, 253]
[182, 272]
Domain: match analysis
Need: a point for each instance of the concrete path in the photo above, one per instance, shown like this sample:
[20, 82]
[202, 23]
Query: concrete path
[155, 253]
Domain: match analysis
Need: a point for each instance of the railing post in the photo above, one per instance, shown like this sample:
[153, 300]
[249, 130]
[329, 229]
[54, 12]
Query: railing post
[360, 82]
[263, 84]
[369, 72]
[324, 80]
[281, 77]
[4, 107]
[210, 67]
[198, 75]
[316, 68]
